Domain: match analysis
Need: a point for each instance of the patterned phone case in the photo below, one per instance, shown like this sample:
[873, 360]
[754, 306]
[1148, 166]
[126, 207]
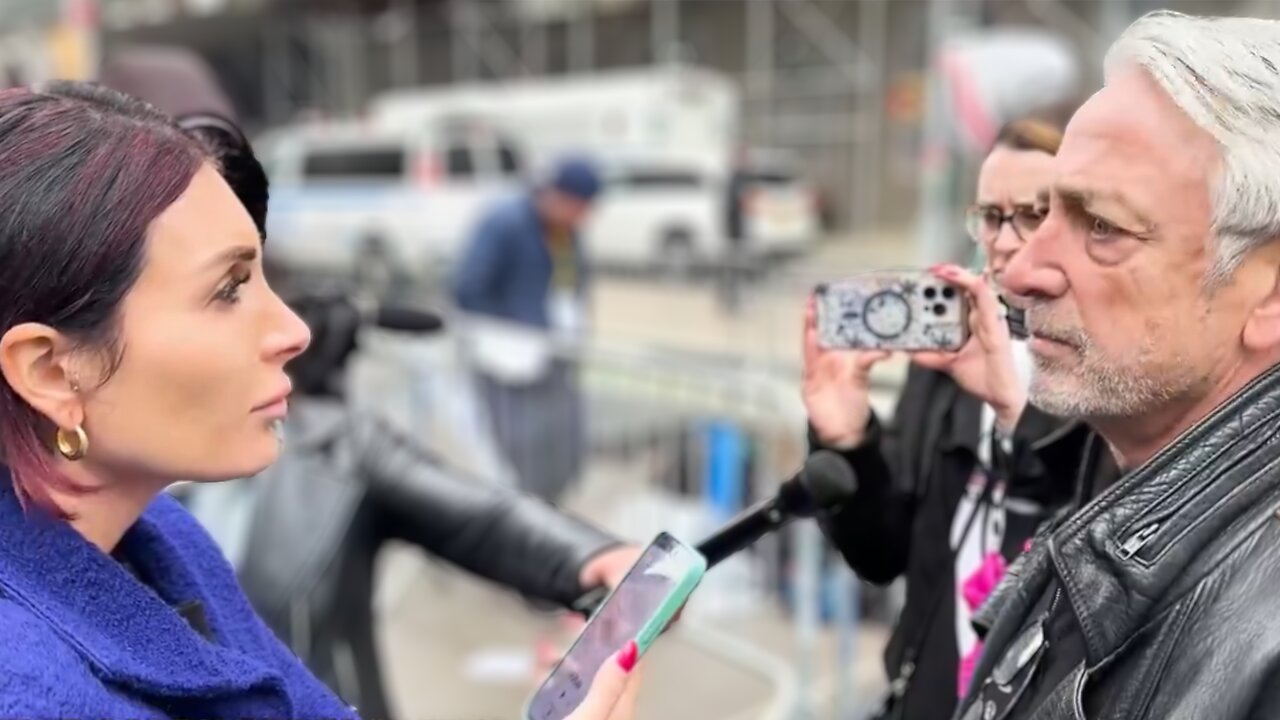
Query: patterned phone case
[892, 310]
[656, 623]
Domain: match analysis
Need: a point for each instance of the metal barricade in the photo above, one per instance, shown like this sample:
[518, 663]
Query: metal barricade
[662, 433]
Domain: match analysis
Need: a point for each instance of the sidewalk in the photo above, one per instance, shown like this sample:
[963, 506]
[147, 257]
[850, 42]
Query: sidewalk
[458, 649]
[436, 634]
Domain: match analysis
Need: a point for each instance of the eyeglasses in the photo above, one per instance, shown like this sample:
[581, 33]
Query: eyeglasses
[985, 221]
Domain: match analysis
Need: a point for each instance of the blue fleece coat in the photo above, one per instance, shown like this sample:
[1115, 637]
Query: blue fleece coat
[83, 637]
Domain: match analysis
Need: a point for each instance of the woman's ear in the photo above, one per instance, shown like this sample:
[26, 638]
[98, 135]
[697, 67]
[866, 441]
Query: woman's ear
[35, 361]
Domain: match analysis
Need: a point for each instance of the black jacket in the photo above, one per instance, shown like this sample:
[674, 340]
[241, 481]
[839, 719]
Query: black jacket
[347, 483]
[911, 479]
[1174, 575]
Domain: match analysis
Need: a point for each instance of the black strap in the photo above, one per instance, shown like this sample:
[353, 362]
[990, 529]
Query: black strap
[898, 686]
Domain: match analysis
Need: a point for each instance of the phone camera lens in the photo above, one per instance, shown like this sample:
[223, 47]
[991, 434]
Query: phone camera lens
[939, 309]
[930, 293]
[948, 292]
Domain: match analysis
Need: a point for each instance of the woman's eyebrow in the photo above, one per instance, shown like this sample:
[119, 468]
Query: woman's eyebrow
[239, 253]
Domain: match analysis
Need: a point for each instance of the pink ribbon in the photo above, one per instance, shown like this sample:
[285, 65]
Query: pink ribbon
[976, 590]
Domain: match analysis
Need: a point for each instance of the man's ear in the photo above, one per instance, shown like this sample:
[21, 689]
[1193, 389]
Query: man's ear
[35, 361]
[1262, 326]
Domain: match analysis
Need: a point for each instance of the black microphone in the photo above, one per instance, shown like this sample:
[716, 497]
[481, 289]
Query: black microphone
[406, 319]
[335, 321]
[824, 483]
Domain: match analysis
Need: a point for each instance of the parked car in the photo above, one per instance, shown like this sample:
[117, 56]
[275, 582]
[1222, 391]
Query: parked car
[355, 201]
[676, 216]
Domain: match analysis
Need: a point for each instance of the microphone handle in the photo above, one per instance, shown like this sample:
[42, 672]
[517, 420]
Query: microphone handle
[751, 525]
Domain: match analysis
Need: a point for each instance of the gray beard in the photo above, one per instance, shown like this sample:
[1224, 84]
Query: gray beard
[1097, 389]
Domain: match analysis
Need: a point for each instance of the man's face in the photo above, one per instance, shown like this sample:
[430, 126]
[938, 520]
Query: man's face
[565, 211]
[1113, 281]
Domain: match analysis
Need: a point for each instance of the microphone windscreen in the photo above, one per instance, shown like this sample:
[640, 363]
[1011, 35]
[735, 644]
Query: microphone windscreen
[406, 319]
[829, 479]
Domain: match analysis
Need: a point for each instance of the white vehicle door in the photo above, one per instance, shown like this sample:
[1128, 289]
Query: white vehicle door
[657, 215]
[457, 180]
[343, 200]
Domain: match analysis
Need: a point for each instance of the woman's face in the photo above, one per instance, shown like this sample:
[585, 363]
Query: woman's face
[204, 341]
[1010, 181]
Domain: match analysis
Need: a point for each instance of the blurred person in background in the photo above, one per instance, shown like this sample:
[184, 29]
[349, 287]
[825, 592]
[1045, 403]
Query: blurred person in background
[735, 269]
[1152, 297]
[305, 535]
[524, 265]
[952, 493]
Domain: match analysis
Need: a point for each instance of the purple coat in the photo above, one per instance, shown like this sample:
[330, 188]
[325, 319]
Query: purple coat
[85, 637]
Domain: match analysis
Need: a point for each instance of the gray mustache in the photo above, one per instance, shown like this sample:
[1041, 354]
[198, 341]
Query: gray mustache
[1041, 323]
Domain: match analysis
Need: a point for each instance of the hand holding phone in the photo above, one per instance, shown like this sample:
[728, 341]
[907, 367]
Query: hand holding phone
[985, 366]
[836, 387]
[613, 691]
[638, 609]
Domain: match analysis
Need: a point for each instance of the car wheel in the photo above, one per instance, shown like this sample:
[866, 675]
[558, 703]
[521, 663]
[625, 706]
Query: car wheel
[374, 271]
[677, 255]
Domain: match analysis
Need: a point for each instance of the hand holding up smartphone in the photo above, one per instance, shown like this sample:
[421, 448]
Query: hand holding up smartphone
[949, 319]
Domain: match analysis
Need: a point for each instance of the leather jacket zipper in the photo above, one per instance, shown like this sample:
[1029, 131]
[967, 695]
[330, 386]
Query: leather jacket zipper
[1138, 540]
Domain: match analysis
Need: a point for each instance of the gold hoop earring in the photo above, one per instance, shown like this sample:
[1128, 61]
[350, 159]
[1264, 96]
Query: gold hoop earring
[73, 444]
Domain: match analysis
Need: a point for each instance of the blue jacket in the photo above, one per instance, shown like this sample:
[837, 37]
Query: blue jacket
[505, 271]
[83, 637]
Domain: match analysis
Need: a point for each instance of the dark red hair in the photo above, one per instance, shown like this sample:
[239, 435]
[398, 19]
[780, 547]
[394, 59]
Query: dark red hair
[83, 173]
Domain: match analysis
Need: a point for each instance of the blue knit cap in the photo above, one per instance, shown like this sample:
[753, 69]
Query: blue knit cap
[576, 176]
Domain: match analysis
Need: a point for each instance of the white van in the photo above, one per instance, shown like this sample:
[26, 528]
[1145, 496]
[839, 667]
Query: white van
[348, 199]
[676, 216]
[665, 138]
[670, 113]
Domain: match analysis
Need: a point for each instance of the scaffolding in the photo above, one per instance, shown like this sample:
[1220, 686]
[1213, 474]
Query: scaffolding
[829, 108]
[814, 74]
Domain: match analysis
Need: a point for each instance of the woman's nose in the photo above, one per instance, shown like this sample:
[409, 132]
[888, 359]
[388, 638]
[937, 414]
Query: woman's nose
[289, 336]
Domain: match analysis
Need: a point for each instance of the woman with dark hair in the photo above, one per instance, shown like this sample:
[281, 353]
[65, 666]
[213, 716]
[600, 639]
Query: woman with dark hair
[139, 345]
[956, 489]
[305, 535]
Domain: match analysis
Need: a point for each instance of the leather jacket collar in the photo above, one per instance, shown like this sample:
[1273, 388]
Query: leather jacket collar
[1151, 536]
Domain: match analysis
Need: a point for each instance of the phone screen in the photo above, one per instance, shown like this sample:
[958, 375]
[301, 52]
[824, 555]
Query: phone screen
[642, 593]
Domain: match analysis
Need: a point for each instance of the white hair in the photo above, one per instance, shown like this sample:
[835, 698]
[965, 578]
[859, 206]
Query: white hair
[1223, 73]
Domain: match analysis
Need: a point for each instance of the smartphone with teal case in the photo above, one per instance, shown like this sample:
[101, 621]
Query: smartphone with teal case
[639, 608]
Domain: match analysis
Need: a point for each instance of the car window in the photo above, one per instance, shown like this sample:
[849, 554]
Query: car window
[767, 178]
[664, 179]
[459, 162]
[359, 163]
[508, 159]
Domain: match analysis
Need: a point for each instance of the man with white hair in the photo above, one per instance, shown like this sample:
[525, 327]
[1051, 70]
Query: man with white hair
[1152, 292]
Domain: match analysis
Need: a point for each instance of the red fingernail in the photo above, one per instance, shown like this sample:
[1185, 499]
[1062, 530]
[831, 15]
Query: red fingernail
[627, 658]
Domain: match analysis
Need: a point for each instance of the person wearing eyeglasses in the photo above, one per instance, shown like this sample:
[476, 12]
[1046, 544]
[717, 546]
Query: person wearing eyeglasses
[951, 494]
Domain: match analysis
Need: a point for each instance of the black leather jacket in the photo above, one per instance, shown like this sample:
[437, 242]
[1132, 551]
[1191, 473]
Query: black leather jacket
[347, 483]
[1174, 575]
[912, 476]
